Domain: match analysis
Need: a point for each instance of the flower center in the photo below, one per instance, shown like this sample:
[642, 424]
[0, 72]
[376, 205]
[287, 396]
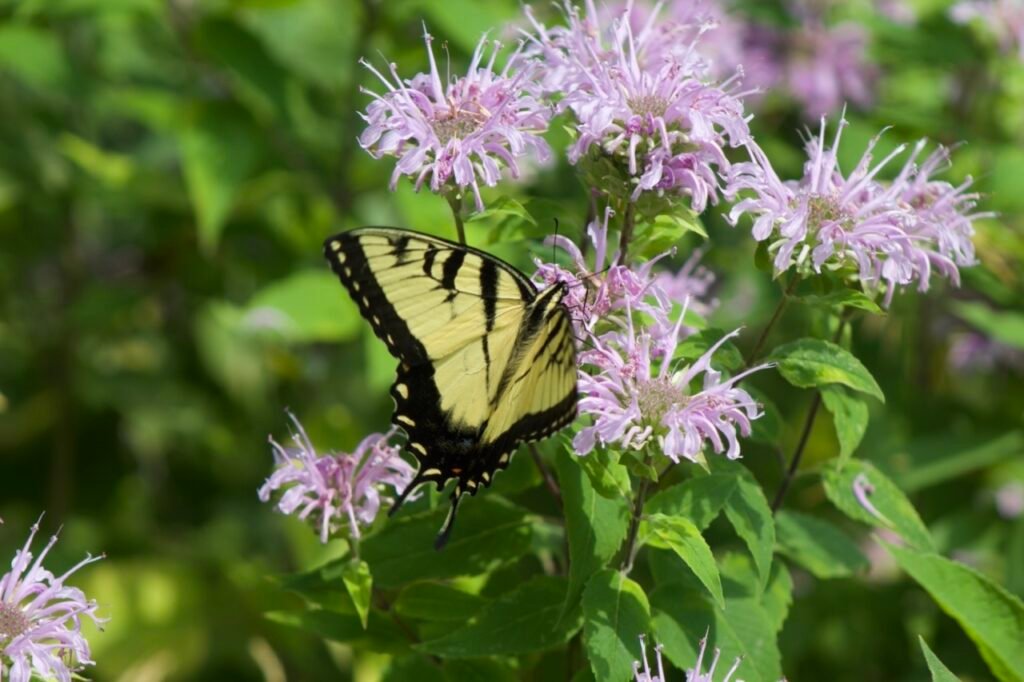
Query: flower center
[13, 622]
[455, 124]
[824, 210]
[656, 397]
[648, 105]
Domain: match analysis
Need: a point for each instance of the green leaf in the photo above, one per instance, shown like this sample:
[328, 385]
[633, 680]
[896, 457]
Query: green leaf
[489, 532]
[767, 429]
[727, 356]
[850, 416]
[1015, 559]
[818, 546]
[616, 613]
[939, 671]
[464, 21]
[682, 537]
[414, 667]
[526, 620]
[595, 525]
[699, 499]
[1005, 326]
[945, 457]
[382, 635]
[217, 156]
[608, 477]
[501, 209]
[778, 596]
[437, 602]
[359, 584]
[897, 513]
[34, 55]
[992, 617]
[810, 363]
[744, 628]
[751, 517]
[256, 78]
[306, 306]
[843, 298]
[311, 38]
[477, 670]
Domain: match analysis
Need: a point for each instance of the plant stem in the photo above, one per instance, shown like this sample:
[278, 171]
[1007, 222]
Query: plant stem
[771, 323]
[805, 434]
[794, 463]
[455, 201]
[628, 222]
[549, 480]
[630, 548]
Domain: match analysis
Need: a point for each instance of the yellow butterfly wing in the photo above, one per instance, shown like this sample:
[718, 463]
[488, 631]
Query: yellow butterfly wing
[486, 361]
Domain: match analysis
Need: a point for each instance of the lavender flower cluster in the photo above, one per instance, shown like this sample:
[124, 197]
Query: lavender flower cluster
[41, 618]
[655, 98]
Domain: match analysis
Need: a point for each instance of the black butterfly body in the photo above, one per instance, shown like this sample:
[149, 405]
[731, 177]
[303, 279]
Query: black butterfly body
[486, 360]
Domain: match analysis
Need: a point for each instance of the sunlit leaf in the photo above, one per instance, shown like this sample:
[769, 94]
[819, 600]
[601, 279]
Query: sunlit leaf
[810, 363]
[992, 617]
[818, 546]
[616, 614]
[527, 619]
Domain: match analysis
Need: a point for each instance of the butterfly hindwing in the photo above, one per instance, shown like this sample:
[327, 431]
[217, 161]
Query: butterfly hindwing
[485, 361]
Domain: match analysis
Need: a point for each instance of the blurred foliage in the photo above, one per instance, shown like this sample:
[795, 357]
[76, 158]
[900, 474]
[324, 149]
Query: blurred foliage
[168, 171]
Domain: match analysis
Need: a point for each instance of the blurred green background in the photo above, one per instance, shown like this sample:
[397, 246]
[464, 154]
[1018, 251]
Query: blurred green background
[168, 172]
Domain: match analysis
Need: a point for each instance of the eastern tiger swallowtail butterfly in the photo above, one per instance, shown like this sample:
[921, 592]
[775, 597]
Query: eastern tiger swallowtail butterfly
[486, 360]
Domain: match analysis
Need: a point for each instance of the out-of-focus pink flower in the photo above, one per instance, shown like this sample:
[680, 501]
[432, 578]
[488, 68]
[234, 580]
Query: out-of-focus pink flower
[41, 619]
[1004, 18]
[1010, 500]
[827, 68]
[636, 396]
[461, 133]
[336, 489]
[892, 233]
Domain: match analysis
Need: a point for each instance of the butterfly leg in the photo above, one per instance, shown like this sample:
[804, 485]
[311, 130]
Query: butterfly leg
[446, 529]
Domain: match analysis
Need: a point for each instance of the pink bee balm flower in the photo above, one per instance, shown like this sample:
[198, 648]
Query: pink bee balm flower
[635, 398]
[646, 675]
[41, 619]
[461, 133]
[334, 489]
[644, 99]
[695, 674]
[594, 292]
[890, 233]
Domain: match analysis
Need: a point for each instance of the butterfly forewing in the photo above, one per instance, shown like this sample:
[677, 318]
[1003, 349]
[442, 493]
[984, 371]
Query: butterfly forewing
[485, 361]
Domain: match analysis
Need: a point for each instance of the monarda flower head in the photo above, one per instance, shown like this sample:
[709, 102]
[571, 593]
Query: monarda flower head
[826, 68]
[642, 671]
[595, 293]
[649, 119]
[336, 490]
[41, 619]
[890, 234]
[462, 133]
[638, 395]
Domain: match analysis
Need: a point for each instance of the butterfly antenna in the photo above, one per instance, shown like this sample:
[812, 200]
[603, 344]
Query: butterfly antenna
[446, 529]
[553, 242]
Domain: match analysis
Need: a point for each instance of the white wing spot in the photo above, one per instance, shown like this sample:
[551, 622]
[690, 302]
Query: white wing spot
[418, 447]
[355, 286]
[504, 458]
[402, 390]
[405, 420]
[366, 301]
[485, 477]
[376, 320]
[426, 473]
